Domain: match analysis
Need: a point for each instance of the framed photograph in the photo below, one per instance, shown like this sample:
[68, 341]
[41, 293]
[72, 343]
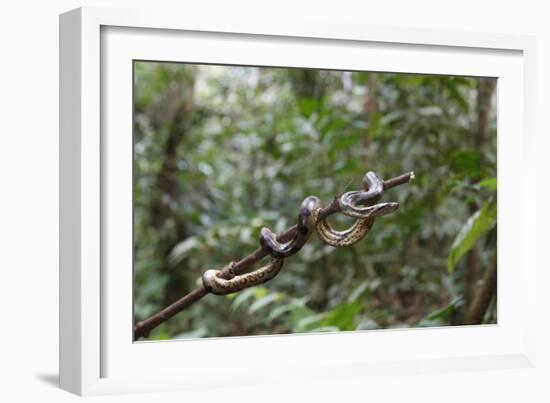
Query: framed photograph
[275, 200]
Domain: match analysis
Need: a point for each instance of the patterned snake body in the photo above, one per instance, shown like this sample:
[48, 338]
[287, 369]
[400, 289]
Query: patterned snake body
[357, 204]
[214, 283]
[304, 229]
[348, 237]
[349, 205]
[350, 201]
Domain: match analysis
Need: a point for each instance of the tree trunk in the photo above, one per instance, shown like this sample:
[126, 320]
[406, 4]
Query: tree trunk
[484, 294]
[486, 87]
[164, 207]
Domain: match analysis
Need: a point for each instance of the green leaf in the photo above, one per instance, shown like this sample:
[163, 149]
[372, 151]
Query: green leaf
[489, 183]
[343, 317]
[192, 334]
[345, 141]
[477, 225]
[444, 312]
[242, 297]
[358, 291]
[455, 94]
[278, 311]
[307, 106]
[296, 306]
[160, 333]
[310, 322]
[264, 301]
[259, 292]
[467, 164]
[182, 250]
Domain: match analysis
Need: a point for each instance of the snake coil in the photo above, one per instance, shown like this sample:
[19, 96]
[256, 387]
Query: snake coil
[214, 283]
[304, 229]
[358, 204]
[349, 204]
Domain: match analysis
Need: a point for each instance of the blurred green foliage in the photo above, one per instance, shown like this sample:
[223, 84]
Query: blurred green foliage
[221, 151]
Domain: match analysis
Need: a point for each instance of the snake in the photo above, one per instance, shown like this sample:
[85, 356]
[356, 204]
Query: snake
[213, 281]
[308, 221]
[304, 228]
[349, 205]
[349, 202]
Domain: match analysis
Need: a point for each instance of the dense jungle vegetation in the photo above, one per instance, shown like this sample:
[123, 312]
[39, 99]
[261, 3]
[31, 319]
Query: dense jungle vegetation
[222, 151]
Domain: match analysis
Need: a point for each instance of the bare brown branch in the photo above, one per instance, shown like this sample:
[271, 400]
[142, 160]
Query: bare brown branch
[143, 328]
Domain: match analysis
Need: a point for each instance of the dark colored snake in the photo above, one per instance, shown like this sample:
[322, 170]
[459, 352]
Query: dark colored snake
[304, 228]
[357, 204]
[350, 201]
[214, 283]
[350, 205]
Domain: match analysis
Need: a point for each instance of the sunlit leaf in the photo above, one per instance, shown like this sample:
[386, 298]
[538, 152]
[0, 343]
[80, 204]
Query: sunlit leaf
[477, 225]
[182, 250]
[307, 106]
[310, 322]
[264, 301]
[295, 305]
[489, 183]
[343, 316]
[278, 311]
[242, 297]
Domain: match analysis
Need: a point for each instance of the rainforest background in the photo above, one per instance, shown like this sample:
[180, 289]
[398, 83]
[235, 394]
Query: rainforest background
[221, 151]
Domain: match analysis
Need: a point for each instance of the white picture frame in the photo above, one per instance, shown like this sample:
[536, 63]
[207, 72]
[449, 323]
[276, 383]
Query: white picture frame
[97, 355]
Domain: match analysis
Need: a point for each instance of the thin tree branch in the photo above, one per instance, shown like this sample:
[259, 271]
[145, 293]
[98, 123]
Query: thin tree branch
[143, 328]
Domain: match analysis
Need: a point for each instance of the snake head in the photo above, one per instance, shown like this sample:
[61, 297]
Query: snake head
[381, 209]
[373, 187]
[371, 181]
